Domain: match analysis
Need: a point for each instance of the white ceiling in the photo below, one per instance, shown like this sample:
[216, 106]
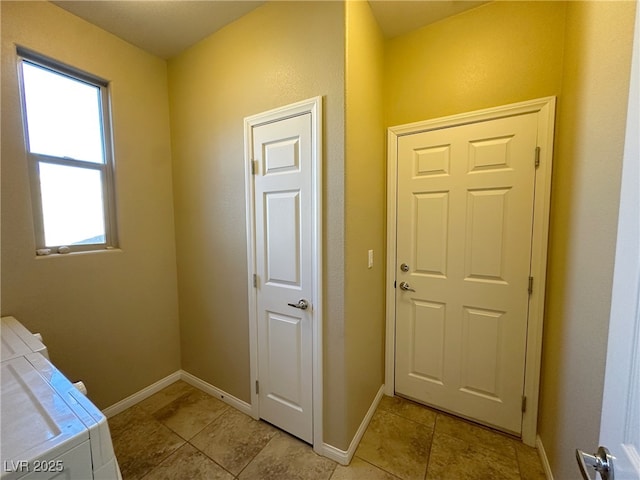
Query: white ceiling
[167, 27]
[162, 27]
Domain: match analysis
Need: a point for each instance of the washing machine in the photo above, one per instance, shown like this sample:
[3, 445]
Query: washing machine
[49, 429]
[17, 341]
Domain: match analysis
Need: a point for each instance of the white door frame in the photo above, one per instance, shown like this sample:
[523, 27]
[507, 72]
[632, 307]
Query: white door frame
[545, 107]
[312, 106]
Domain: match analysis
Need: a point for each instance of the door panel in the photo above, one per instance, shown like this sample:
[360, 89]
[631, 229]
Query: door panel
[481, 352]
[465, 215]
[485, 234]
[284, 345]
[432, 233]
[428, 319]
[282, 238]
[283, 228]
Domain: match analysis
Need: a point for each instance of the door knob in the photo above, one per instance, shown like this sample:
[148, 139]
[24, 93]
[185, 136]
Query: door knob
[601, 462]
[302, 304]
[406, 287]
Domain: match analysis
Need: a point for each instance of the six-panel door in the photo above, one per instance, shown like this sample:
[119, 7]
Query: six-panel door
[465, 212]
[283, 186]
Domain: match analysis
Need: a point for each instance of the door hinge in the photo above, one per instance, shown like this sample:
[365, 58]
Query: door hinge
[537, 157]
[530, 285]
[255, 281]
[394, 284]
[257, 387]
[524, 404]
[254, 167]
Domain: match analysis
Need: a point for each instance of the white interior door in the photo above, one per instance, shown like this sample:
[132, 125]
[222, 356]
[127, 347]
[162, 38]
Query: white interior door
[282, 154]
[465, 206]
[620, 420]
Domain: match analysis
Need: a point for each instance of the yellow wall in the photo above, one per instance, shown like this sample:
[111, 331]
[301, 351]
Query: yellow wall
[496, 54]
[586, 188]
[280, 53]
[108, 318]
[365, 165]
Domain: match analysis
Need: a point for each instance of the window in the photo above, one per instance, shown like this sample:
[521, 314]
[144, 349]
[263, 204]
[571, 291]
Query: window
[67, 135]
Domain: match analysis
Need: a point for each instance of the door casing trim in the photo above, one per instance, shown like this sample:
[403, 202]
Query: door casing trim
[545, 108]
[314, 107]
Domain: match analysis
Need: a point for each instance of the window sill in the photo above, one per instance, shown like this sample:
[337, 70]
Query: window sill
[55, 254]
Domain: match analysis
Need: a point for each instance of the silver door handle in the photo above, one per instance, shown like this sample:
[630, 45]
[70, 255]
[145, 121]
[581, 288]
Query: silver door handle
[302, 304]
[406, 287]
[601, 462]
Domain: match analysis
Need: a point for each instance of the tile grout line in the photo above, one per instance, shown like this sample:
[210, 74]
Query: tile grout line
[433, 435]
[256, 455]
[410, 419]
[518, 464]
[152, 417]
[208, 457]
[166, 457]
[376, 466]
[224, 411]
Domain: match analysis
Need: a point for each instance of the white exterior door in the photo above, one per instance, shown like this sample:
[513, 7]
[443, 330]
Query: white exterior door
[465, 210]
[283, 290]
[620, 420]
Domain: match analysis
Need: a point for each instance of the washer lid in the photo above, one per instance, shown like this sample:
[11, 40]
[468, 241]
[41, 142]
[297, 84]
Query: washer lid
[36, 421]
[18, 341]
[92, 418]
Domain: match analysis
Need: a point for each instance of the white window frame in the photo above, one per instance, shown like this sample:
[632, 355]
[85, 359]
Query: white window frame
[106, 169]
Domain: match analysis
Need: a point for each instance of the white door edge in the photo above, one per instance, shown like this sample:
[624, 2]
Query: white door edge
[313, 106]
[620, 421]
[545, 108]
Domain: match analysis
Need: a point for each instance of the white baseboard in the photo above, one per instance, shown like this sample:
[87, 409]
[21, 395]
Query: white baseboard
[137, 397]
[236, 403]
[344, 457]
[341, 456]
[146, 392]
[543, 458]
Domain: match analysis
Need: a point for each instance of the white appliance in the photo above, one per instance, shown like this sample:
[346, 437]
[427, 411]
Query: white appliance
[18, 341]
[49, 429]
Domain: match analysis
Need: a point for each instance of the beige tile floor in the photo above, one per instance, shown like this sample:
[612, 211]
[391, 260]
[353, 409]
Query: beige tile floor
[184, 433]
